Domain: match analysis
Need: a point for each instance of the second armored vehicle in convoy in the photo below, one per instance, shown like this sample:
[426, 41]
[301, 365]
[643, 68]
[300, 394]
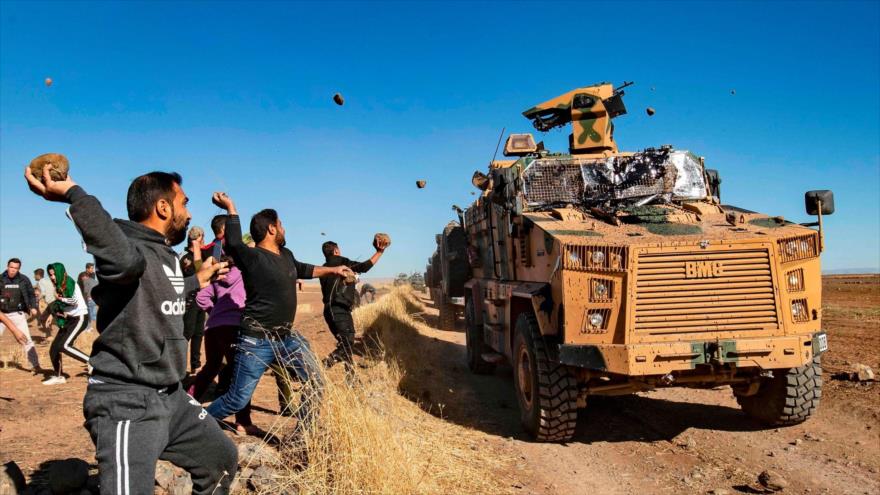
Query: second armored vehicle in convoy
[446, 274]
[600, 272]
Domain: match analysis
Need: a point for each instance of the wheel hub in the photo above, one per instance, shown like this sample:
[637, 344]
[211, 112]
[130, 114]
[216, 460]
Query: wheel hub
[524, 376]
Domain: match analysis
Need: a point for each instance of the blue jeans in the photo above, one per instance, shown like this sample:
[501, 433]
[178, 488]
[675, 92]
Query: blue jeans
[254, 356]
[93, 311]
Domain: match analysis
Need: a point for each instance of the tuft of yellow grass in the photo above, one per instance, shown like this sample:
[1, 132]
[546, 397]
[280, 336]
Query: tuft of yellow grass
[370, 439]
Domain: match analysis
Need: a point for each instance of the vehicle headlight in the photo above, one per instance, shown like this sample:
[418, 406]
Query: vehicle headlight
[596, 320]
[799, 310]
[573, 258]
[601, 290]
[598, 257]
[796, 280]
[791, 248]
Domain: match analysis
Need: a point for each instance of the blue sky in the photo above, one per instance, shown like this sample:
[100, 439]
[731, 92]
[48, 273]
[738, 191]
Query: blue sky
[237, 96]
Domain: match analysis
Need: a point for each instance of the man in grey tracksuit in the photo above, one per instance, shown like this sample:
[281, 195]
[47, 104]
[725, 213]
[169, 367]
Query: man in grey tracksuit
[135, 408]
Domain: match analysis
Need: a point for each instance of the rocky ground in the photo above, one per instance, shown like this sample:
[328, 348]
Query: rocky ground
[669, 441]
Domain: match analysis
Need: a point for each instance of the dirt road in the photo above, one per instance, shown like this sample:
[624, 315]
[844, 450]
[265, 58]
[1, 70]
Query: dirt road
[670, 441]
[682, 440]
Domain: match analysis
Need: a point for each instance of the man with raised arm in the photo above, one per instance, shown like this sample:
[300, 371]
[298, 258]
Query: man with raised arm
[267, 336]
[339, 299]
[135, 408]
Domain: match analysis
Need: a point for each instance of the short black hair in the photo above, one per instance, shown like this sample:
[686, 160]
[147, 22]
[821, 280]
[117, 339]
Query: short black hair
[14, 260]
[218, 223]
[260, 223]
[89, 265]
[328, 247]
[146, 190]
[40, 272]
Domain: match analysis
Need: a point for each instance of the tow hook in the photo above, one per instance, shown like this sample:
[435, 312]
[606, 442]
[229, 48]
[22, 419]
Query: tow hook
[667, 379]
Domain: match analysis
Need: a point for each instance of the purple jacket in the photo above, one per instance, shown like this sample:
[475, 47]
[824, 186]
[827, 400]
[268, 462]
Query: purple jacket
[223, 300]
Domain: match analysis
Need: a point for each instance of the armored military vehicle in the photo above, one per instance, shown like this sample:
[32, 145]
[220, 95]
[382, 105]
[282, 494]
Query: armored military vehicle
[600, 272]
[417, 281]
[446, 274]
[401, 279]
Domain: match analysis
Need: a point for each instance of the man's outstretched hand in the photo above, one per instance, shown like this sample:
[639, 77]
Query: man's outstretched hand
[343, 271]
[211, 271]
[223, 200]
[53, 190]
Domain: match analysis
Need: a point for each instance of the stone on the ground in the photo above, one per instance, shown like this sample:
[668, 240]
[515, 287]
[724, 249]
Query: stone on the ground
[719, 491]
[12, 480]
[69, 475]
[181, 485]
[262, 478]
[257, 454]
[164, 474]
[862, 373]
[687, 443]
[772, 480]
[241, 479]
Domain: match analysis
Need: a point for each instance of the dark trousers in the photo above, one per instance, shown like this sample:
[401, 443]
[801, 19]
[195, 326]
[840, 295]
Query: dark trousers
[64, 340]
[341, 325]
[220, 344]
[133, 426]
[193, 331]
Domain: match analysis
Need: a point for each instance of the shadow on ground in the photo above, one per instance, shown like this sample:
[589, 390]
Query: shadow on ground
[437, 378]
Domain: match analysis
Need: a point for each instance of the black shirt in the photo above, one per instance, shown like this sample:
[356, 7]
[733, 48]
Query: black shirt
[334, 289]
[269, 280]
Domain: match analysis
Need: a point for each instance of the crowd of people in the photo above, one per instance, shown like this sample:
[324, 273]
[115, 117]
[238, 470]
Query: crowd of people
[152, 307]
[57, 302]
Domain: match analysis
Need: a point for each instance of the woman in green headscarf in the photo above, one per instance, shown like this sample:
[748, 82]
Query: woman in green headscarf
[72, 315]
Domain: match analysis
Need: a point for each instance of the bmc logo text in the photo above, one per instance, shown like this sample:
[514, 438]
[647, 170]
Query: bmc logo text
[703, 269]
[174, 308]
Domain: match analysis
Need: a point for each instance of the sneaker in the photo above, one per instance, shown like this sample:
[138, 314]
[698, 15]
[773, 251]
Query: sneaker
[55, 380]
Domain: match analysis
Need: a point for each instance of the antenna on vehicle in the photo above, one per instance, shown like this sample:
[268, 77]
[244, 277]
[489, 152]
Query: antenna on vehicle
[498, 144]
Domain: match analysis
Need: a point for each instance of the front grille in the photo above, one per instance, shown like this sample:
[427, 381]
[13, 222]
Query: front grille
[686, 292]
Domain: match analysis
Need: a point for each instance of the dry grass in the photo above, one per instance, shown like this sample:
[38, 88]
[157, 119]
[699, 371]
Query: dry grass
[370, 439]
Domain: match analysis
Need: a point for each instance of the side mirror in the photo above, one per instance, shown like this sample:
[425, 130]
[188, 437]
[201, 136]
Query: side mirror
[812, 199]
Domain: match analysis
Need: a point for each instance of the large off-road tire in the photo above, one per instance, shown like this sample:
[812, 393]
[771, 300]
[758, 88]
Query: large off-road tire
[475, 344]
[447, 315]
[789, 398]
[545, 389]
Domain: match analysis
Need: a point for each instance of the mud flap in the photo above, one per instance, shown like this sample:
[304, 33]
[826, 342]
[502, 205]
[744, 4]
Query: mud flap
[582, 356]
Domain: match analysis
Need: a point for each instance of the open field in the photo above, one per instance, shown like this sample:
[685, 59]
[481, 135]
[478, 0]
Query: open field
[668, 441]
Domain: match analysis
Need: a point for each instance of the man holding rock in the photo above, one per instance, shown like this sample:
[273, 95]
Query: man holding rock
[339, 296]
[267, 336]
[135, 408]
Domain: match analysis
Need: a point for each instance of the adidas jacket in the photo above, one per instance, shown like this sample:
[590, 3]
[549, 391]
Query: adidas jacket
[140, 296]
